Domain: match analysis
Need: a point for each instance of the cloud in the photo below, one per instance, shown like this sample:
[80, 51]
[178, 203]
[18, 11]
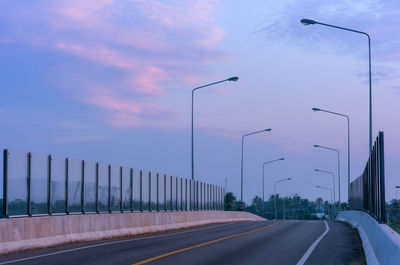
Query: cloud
[148, 45]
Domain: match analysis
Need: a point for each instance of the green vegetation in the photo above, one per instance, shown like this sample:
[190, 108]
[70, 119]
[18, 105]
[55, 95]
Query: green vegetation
[287, 207]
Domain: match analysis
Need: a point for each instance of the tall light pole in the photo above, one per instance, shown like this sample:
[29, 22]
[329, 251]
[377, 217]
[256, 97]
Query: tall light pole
[307, 22]
[338, 161]
[284, 202]
[241, 167]
[326, 188]
[280, 159]
[348, 147]
[276, 182]
[234, 78]
[333, 182]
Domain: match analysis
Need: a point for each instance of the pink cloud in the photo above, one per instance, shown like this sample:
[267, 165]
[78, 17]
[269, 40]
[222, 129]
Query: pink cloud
[150, 44]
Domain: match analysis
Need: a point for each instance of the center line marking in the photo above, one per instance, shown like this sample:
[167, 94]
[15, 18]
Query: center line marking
[203, 244]
[313, 246]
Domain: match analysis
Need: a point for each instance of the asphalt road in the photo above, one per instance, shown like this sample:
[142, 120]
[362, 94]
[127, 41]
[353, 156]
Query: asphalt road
[281, 243]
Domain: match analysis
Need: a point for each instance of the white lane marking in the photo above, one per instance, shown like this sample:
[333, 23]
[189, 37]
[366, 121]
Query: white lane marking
[312, 247]
[109, 243]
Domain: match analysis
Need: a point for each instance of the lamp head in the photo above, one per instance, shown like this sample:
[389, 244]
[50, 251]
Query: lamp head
[282, 158]
[233, 78]
[289, 178]
[318, 186]
[316, 109]
[316, 170]
[307, 22]
[268, 130]
[397, 187]
[315, 145]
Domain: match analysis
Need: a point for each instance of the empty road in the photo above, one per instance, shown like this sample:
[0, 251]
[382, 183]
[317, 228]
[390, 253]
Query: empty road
[281, 243]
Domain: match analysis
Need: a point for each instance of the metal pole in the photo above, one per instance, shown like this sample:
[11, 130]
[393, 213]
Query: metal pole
[83, 186]
[97, 188]
[131, 190]
[66, 185]
[140, 191]
[348, 159]
[263, 201]
[109, 189]
[158, 207]
[49, 184]
[5, 179]
[275, 199]
[29, 184]
[149, 191]
[120, 190]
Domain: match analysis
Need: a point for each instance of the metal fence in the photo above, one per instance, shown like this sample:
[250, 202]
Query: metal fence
[41, 184]
[367, 192]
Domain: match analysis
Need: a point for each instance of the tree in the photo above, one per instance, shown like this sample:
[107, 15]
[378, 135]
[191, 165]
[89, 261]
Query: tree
[229, 201]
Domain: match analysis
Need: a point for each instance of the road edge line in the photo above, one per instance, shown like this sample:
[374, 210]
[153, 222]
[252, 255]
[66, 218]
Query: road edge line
[313, 246]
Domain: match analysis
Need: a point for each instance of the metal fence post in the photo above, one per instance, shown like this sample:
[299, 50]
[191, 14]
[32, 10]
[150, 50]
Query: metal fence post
[120, 190]
[83, 186]
[165, 192]
[131, 190]
[190, 194]
[176, 193]
[29, 184]
[141, 193]
[158, 193]
[382, 175]
[5, 178]
[186, 191]
[97, 188]
[149, 191]
[170, 182]
[181, 195]
[49, 184]
[109, 189]
[66, 185]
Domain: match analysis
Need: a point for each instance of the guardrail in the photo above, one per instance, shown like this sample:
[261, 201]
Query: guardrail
[380, 247]
[42, 184]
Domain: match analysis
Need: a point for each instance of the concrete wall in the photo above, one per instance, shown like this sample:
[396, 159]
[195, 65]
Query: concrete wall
[31, 232]
[381, 244]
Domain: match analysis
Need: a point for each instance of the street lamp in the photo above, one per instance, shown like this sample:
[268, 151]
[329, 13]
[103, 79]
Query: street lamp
[280, 159]
[307, 22]
[234, 78]
[326, 188]
[348, 147]
[276, 182]
[241, 167]
[338, 159]
[284, 204]
[333, 181]
[397, 188]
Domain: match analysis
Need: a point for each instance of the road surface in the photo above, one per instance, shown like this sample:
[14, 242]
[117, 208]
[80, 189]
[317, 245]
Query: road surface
[281, 243]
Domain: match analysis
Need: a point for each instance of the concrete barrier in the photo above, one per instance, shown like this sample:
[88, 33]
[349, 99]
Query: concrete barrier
[381, 244]
[18, 234]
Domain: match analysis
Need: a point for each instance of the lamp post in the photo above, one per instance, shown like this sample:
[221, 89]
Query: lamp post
[397, 188]
[276, 182]
[284, 204]
[326, 188]
[333, 182]
[234, 78]
[348, 147]
[280, 159]
[338, 159]
[241, 167]
[307, 22]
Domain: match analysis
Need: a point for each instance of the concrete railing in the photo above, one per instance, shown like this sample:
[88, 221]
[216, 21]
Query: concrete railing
[18, 234]
[381, 244]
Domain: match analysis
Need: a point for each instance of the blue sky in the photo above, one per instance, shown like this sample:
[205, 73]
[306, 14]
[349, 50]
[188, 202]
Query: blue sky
[111, 81]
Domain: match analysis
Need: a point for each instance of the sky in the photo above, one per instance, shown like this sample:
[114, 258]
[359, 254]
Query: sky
[111, 81]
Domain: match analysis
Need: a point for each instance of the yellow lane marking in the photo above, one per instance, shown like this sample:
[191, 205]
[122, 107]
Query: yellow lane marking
[203, 244]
